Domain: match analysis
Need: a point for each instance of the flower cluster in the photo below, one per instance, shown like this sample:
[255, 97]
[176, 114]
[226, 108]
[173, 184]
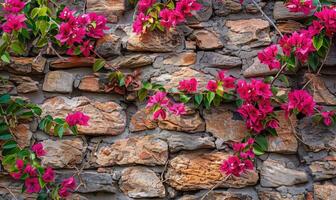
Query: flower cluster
[299, 101]
[268, 57]
[327, 17]
[76, 31]
[159, 104]
[36, 178]
[14, 20]
[305, 6]
[241, 161]
[188, 86]
[223, 83]
[153, 15]
[256, 108]
[77, 118]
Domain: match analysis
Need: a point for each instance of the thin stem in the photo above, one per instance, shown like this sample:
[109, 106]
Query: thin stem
[52, 48]
[112, 67]
[268, 19]
[283, 67]
[214, 187]
[10, 191]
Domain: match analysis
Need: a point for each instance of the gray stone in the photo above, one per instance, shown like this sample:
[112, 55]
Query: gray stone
[324, 169]
[24, 84]
[281, 12]
[141, 182]
[109, 45]
[258, 69]
[58, 81]
[225, 7]
[130, 61]
[274, 174]
[202, 15]
[212, 59]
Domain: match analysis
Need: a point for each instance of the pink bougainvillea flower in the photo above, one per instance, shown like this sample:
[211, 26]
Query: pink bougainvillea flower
[228, 81]
[247, 155]
[19, 164]
[188, 86]
[13, 6]
[186, 6]
[177, 109]
[16, 175]
[159, 98]
[70, 34]
[49, 175]
[327, 17]
[212, 86]
[67, 14]
[31, 171]
[301, 101]
[97, 25]
[159, 113]
[143, 5]
[273, 123]
[328, 117]
[305, 6]
[268, 57]
[67, 186]
[170, 18]
[14, 23]
[38, 149]
[233, 165]
[86, 48]
[139, 22]
[32, 185]
[77, 118]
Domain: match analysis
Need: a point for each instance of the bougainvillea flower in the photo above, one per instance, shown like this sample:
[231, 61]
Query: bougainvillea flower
[97, 25]
[268, 57]
[38, 149]
[305, 6]
[177, 109]
[170, 18]
[212, 86]
[67, 14]
[19, 164]
[30, 170]
[49, 175]
[327, 16]
[86, 48]
[16, 175]
[301, 101]
[32, 185]
[67, 186]
[13, 6]
[188, 86]
[228, 81]
[159, 113]
[77, 118]
[143, 5]
[14, 23]
[159, 98]
[138, 23]
[327, 117]
[233, 165]
[70, 34]
[186, 6]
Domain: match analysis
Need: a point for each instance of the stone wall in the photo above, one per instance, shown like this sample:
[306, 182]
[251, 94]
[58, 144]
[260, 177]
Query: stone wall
[125, 155]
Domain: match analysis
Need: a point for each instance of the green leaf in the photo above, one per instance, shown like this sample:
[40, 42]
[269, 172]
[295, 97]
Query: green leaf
[284, 79]
[184, 98]
[313, 61]
[10, 145]
[17, 47]
[262, 142]
[217, 100]
[5, 57]
[147, 85]
[9, 159]
[318, 41]
[257, 150]
[142, 94]
[198, 99]
[239, 102]
[272, 131]
[5, 136]
[4, 99]
[99, 63]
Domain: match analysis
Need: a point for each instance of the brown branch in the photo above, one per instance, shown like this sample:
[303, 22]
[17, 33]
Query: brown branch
[214, 187]
[54, 50]
[283, 67]
[10, 191]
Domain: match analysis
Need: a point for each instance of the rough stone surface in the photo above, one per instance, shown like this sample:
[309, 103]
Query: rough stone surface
[181, 59]
[289, 26]
[211, 59]
[24, 66]
[109, 8]
[109, 45]
[322, 170]
[200, 171]
[219, 121]
[280, 12]
[324, 192]
[320, 92]
[90, 83]
[72, 62]
[142, 120]
[275, 174]
[58, 81]
[269, 194]
[154, 42]
[63, 153]
[23, 135]
[106, 118]
[131, 61]
[207, 40]
[258, 69]
[24, 84]
[252, 32]
[146, 150]
[141, 182]
[219, 195]
[225, 7]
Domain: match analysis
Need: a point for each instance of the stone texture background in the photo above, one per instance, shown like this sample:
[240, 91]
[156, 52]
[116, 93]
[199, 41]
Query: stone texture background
[124, 155]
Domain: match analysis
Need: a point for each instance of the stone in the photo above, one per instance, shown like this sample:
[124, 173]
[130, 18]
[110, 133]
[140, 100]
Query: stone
[154, 42]
[112, 9]
[109, 45]
[331, 58]
[251, 32]
[24, 65]
[190, 122]
[324, 192]
[289, 26]
[106, 118]
[195, 171]
[6, 86]
[58, 81]
[92, 181]
[147, 150]
[316, 137]
[203, 14]
[10, 187]
[142, 120]
[23, 135]
[212, 59]
[220, 195]
[258, 69]
[269, 194]
[319, 91]
[226, 7]
[190, 45]
[72, 62]
[274, 174]
[324, 169]
[172, 80]
[181, 59]
[25, 84]
[141, 182]
[90, 83]
[285, 141]
[63, 153]
[130, 61]
[281, 12]
[207, 40]
[220, 123]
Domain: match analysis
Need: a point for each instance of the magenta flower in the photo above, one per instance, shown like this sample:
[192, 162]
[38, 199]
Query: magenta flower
[233, 165]
[186, 6]
[273, 123]
[327, 17]
[16, 175]
[67, 186]
[19, 164]
[32, 185]
[97, 25]
[31, 171]
[328, 117]
[170, 18]
[49, 175]
[300, 101]
[86, 48]
[13, 6]
[139, 22]
[70, 34]
[159, 113]
[159, 98]
[212, 86]
[177, 109]
[143, 5]
[67, 14]
[14, 23]
[188, 86]
[77, 118]
[38, 149]
[304, 6]
[228, 81]
[268, 57]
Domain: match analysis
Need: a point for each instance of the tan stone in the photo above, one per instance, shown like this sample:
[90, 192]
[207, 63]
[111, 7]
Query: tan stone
[90, 83]
[220, 195]
[196, 171]
[109, 8]
[281, 12]
[181, 59]
[285, 141]
[320, 92]
[58, 81]
[141, 182]
[207, 40]
[142, 120]
[322, 170]
[252, 32]
[219, 121]
[63, 153]
[289, 26]
[154, 42]
[22, 135]
[24, 65]
[72, 62]
[325, 191]
[268, 195]
[258, 69]
[146, 150]
[172, 80]
[106, 118]
[25, 84]
[109, 45]
[130, 61]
